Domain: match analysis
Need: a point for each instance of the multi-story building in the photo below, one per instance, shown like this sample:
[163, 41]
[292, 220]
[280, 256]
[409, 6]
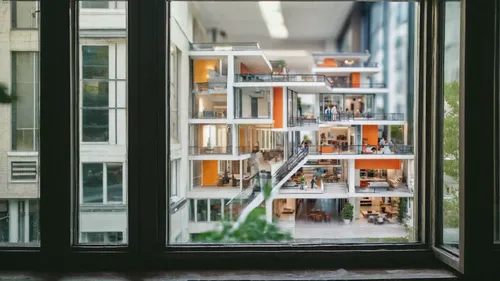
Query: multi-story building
[242, 118]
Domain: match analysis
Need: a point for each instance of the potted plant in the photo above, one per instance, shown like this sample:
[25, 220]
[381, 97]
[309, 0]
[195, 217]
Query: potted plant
[347, 213]
[4, 95]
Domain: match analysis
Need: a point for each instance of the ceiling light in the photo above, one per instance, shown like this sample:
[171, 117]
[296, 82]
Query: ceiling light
[273, 17]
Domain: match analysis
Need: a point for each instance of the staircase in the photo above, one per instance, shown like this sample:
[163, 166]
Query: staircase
[290, 167]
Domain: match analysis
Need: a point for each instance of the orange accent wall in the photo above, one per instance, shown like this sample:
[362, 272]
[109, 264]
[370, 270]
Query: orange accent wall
[201, 68]
[278, 107]
[328, 63]
[392, 164]
[210, 174]
[244, 69]
[355, 79]
[242, 137]
[370, 133]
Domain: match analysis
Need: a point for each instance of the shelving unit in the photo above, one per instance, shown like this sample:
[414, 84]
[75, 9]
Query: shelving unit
[365, 202]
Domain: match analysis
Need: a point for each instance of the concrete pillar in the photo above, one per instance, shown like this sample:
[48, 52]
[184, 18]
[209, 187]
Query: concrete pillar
[13, 221]
[351, 174]
[230, 89]
[355, 210]
[235, 135]
[269, 210]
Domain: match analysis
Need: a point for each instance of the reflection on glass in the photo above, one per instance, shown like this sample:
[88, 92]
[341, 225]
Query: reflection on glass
[451, 133]
[233, 114]
[103, 117]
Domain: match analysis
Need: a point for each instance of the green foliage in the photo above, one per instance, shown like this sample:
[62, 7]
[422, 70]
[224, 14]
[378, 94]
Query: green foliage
[397, 133]
[451, 212]
[268, 188]
[347, 211]
[403, 206]
[451, 131]
[4, 95]
[451, 138]
[254, 229]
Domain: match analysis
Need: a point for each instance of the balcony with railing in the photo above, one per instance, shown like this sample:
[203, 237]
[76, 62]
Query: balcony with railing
[346, 149]
[367, 116]
[240, 46]
[279, 78]
[303, 121]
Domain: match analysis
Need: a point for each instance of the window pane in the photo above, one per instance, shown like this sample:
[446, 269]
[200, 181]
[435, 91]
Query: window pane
[25, 14]
[19, 123]
[103, 116]
[352, 181]
[115, 182]
[92, 175]
[451, 134]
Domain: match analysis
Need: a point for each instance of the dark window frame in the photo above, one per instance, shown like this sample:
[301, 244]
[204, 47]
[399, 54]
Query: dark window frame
[147, 127]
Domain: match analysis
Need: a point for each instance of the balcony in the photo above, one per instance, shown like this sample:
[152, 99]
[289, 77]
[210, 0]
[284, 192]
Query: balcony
[303, 121]
[355, 85]
[368, 116]
[345, 149]
[252, 103]
[210, 107]
[249, 46]
[209, 150]
[279, 78]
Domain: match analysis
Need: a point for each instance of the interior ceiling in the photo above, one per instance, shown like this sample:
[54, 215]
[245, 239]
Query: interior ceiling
[309, 23]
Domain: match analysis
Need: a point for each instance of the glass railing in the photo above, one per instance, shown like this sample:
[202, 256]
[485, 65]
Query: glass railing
[390, 149]
[349, 116]
[380, 187]
[243, 46]
[279, 78]
[210, 114]
[356, 64]
[302, 121]
[204, 150]
[355, 85]
[213, 86]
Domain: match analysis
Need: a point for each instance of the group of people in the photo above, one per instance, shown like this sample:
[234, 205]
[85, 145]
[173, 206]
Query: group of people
[384, 147]
[331, 113]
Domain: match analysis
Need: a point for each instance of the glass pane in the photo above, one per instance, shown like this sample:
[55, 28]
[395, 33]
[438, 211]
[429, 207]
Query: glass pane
[103, 116]
[451, 134]
[19, 124]
[25, 14]
[344, 117]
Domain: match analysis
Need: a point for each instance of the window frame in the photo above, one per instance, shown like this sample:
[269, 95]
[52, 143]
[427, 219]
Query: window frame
[148, 153]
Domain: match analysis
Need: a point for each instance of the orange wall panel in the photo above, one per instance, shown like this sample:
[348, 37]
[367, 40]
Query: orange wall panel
[201, 68]
[210, 172]
[391, 164]
[328, 63]
[370, 133]
[355, 79]
[244, 69]
[242, 137]
[278, 107]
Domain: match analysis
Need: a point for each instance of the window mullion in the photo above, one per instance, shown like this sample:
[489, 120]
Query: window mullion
[147, 127]
[56, 154]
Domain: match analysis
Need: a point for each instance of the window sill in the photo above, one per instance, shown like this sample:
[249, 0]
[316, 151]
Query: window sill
[341, 274]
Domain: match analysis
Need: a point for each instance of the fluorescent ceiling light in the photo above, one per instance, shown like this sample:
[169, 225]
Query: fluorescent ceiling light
[273, 17]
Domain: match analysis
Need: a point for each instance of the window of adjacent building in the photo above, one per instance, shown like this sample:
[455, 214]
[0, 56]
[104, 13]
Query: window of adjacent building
[25, 14]
[175, 58]
[102, 183]
[25, 111]
[95, 94]
[174, 177]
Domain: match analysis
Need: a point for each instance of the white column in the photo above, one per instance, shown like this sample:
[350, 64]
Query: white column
[26, 221]
[405, 133]
[13, 221]
[235, 135]
[352, 176]
[230, 89]
[269, 210]
[285, 107]
[241, 175]
[271, 103]
[348, 136]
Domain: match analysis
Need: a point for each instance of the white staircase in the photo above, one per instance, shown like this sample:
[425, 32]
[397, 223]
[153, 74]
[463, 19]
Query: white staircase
[289, 168]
